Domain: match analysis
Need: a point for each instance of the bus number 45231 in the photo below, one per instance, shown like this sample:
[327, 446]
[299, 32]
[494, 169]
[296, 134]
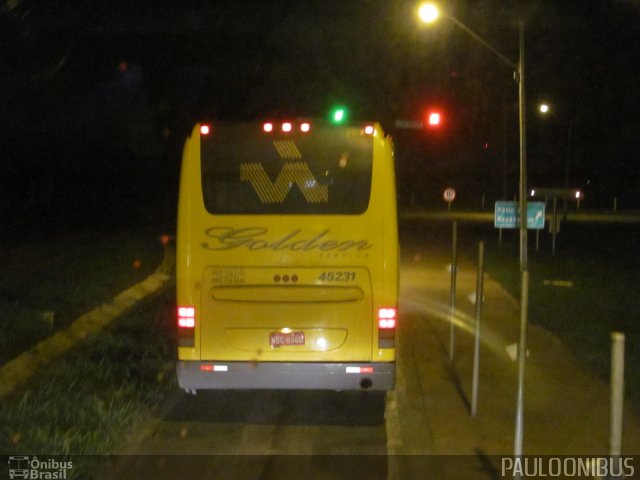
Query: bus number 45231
[337, 276]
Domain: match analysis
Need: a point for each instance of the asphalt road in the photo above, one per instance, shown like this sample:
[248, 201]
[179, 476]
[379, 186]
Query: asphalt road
[300, 434]
[260, 434]
[421, 430]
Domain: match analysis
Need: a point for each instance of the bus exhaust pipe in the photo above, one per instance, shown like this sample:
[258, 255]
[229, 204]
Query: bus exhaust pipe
[366, 384]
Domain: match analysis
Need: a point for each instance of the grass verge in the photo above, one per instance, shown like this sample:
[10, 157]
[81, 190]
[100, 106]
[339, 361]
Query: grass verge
[585, 291]
[50, 280]
[86, 404]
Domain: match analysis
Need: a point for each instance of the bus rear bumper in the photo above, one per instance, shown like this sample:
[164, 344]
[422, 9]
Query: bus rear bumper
[193, 375]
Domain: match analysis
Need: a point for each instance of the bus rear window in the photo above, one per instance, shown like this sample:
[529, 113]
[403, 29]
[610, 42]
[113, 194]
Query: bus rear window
[324, 171]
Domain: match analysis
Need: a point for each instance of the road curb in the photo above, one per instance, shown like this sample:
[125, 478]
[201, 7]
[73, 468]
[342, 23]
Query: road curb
[18, 370]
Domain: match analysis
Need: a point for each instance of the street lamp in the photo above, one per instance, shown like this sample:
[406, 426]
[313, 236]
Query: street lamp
[426, 12]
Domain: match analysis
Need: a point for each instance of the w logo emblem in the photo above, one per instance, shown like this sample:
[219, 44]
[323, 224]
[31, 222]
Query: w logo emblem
[276, 192]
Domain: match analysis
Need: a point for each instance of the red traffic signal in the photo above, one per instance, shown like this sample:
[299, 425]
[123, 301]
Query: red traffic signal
[434, 119]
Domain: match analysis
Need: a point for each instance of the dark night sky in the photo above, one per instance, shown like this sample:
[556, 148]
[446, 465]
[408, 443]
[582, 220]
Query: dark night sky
[80, 77]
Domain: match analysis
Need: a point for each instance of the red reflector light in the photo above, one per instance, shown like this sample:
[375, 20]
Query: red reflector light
[286, 127]
[434, 119]
[186, 317]
[205, 129]
[267, 127]
[387, 318]
[359, 369]
[213, 368]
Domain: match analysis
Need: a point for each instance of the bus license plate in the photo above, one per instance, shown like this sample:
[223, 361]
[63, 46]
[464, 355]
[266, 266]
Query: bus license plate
[279, 339]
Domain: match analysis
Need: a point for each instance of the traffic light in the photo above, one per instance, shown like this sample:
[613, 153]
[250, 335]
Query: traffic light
[434, 119]
[338, 114]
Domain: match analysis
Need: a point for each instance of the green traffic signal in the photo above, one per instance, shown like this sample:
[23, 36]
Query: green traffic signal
[338, 114]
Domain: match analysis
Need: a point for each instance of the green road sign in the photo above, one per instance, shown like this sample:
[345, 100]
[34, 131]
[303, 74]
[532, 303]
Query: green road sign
[507, 215]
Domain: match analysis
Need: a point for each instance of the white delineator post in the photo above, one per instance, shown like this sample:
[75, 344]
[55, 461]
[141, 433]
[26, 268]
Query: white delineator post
[617, 393]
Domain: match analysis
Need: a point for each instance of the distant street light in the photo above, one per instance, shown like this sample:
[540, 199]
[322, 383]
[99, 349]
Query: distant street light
[426, 10]
[543, 108]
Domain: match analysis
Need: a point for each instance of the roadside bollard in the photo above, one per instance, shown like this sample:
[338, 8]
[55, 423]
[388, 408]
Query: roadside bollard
[452, 298]
[617, 394]
[476, 351]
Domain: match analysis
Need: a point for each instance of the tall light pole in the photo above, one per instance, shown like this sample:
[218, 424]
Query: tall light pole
[428, 13]
[523, 150]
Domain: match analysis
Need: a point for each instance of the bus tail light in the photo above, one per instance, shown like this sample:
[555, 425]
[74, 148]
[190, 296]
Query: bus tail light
[186, 317]
[386, 318]
[387, 321]
[205, 129]
[186, 326]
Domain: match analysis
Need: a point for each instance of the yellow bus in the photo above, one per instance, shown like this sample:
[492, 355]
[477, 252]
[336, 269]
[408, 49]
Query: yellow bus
[287, 257]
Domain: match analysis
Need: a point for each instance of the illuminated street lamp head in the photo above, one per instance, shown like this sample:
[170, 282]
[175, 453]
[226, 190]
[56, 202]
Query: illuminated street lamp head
[428, 12]
[544, 108]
